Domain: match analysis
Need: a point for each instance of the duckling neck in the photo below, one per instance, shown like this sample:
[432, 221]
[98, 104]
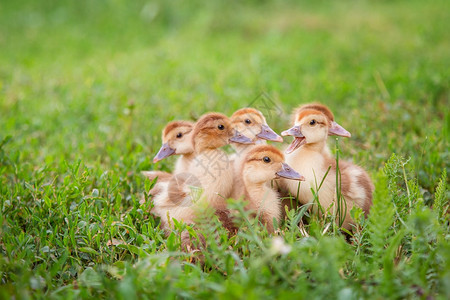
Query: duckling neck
[320, 147]
[239, 148]
[188, 157]
[255, 191]
[183, 163]
[240, 156]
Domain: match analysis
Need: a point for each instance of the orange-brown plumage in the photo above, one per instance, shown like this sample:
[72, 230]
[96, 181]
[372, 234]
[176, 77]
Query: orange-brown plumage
[207, 133]
[247, 112]
[176, 125]
[316, 107]
[262, 150]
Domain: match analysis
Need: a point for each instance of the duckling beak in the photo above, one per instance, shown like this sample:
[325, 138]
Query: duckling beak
[294, 131]
[337, 129]
[289, 173]
[268, 134]
[164, 152]
[240, 138]
[299, 138]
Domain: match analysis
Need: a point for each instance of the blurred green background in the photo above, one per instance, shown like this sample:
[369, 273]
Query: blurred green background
[98, 80]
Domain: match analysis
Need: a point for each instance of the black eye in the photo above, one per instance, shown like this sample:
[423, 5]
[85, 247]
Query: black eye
[221, 127]
[179, 135]
[312, 123]
[248, 121]
[266, 159]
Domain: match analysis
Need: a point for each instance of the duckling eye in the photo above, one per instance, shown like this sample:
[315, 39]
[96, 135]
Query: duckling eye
[248, 121]
[312, 123]
[266, 159]
[221, 127]
[179, 135]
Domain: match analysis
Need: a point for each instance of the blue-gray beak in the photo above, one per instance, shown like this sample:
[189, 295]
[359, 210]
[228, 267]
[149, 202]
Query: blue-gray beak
[240, 138]
[164, 152]
[294, 131]
[289, 173]
[268, 134]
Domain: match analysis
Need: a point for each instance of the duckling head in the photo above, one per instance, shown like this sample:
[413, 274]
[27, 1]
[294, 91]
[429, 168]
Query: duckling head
[251, 123]
[264, 163]
[176, 138]
[214, 130]
[313, 123]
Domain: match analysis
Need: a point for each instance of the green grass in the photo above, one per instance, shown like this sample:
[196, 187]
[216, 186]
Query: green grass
[87, 86]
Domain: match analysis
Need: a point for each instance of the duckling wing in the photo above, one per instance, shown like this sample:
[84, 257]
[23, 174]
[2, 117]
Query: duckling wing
[356, 186]
[174, 200]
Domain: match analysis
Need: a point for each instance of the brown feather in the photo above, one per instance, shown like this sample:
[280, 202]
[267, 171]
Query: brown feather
[267, 221]
[244, 111]
[176, 124]
[162, 176]
[259, 150]
[366, 183]
[226, 219]
[252, 113]
[317, 107]
[202, 130]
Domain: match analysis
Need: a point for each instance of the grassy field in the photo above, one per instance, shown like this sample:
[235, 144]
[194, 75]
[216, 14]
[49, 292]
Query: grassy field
[87, 86]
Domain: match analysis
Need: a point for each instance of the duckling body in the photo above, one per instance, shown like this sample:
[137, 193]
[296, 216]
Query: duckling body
[314, 166]
[264, 201]
[310, 155]
[214, 172]
[238, 190]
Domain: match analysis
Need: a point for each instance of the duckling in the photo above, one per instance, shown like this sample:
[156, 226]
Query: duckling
[310, 155]
[176, 137]
[252, 124]
[209, 171]
[177, 140]
[262, 164]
